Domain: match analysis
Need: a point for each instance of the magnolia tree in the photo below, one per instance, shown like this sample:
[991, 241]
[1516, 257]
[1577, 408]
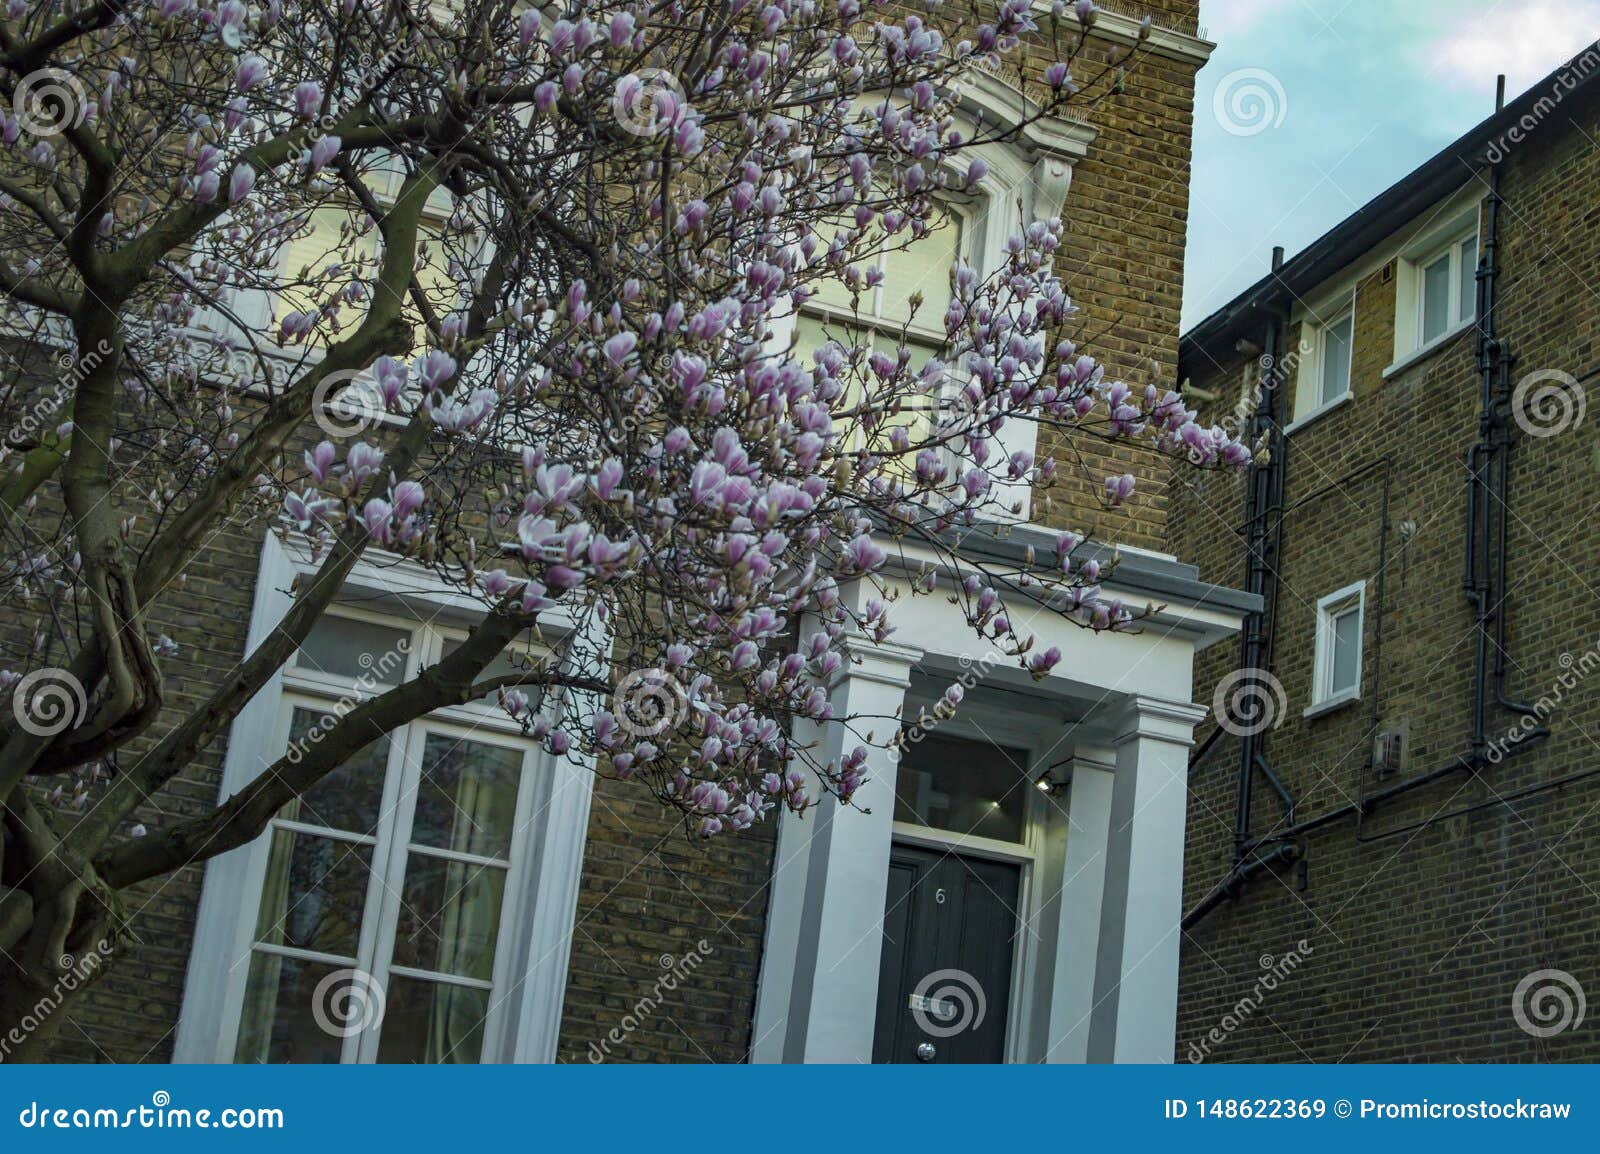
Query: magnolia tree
[555, 248]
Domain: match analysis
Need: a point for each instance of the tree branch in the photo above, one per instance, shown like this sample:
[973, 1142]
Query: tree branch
[245, 815]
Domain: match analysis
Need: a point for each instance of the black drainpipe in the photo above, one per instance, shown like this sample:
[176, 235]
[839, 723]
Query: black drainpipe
[1484, 581]
[1262, 496]
[1488, 482]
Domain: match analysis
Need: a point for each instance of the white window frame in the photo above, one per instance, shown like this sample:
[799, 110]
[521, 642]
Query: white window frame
[1307, 358]
[1323, 400]
[1027, 181]
[1455, 307]
[1329, 609]
[540, 899]
[257, 306]
[1458, 227]
[927, 327]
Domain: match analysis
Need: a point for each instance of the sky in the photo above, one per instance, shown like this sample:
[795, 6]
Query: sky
[1310, 108]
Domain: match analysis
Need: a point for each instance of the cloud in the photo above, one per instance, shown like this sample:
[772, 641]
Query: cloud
[1225, 18]
[1525, 39]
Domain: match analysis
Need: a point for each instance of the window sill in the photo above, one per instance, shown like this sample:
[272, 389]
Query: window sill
[1332, 704]
[1316, 414]
[1417, 356]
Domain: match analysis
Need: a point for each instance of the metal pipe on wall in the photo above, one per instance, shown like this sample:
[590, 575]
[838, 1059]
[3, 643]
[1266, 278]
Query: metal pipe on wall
[1484, 573]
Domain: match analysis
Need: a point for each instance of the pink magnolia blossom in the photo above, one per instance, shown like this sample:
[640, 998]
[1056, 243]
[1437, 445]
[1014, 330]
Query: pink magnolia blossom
[568, 269]
[240, 182]
[252, 71]
[307, 99]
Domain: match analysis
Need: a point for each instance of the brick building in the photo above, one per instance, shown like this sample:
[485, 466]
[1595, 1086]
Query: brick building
[592, 928]
[1392, 849]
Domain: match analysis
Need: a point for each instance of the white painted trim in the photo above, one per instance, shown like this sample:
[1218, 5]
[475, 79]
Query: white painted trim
[1135, 1012]
[1323, 697]
[1197, 621]
[212, 1000]
[557, 861]
[1079, 902]
[1417, 356]
[1332, 704]
[1299, 423]
[1120, 28]
[1118, 548]
[817, 992]
[1157, 719]
[1002, 103]
[965, 845]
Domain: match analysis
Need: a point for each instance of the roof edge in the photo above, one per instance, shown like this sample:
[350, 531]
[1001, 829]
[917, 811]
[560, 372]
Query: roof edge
[1482, 145]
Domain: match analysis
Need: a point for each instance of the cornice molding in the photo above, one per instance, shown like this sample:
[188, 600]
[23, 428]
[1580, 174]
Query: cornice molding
[1120, 28]
[1003, 103]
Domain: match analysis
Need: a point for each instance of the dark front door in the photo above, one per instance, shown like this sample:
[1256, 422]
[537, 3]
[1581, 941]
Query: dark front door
[945, 980]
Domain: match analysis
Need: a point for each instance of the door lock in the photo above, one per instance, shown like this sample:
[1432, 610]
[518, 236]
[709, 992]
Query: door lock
[926, 1051]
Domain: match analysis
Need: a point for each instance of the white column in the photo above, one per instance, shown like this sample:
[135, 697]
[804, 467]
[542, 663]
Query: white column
[1083, 876]
[1135, 1015]
[819, 981]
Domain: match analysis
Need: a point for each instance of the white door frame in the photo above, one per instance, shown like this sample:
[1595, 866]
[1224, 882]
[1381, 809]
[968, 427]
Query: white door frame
[1036, 738]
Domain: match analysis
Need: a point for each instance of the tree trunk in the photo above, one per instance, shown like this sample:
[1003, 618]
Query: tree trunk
[34, 1006]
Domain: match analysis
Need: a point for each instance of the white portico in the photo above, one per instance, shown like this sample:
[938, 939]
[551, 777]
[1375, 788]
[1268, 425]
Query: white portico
[970, 916]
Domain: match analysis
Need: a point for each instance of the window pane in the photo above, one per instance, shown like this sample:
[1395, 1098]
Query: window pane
[467, 798]
[811, 333]
[449, 916]
[439, 288]
[1436, 298]
[349, 648]
[1336, 359]
[832, 290]
[314, 893]
[913, 407]
[1346, 649]
[279, 1023]
[348, 797]
[1469, 281]
[966, 787]
[519, 659]
[337, 247]
[923, 266]
[432, 1022]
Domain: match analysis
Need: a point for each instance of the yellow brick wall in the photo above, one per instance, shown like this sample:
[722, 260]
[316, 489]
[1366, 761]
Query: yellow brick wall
[1419, 938]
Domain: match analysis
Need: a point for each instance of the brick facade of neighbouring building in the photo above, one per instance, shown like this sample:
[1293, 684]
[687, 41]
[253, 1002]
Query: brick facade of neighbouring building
[1414, 924]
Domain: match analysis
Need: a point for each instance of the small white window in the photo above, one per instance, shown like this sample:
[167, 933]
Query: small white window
[1435, 285]
[1333, 359]
[1322, 357]
[1336, 677]
[1447, 293]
